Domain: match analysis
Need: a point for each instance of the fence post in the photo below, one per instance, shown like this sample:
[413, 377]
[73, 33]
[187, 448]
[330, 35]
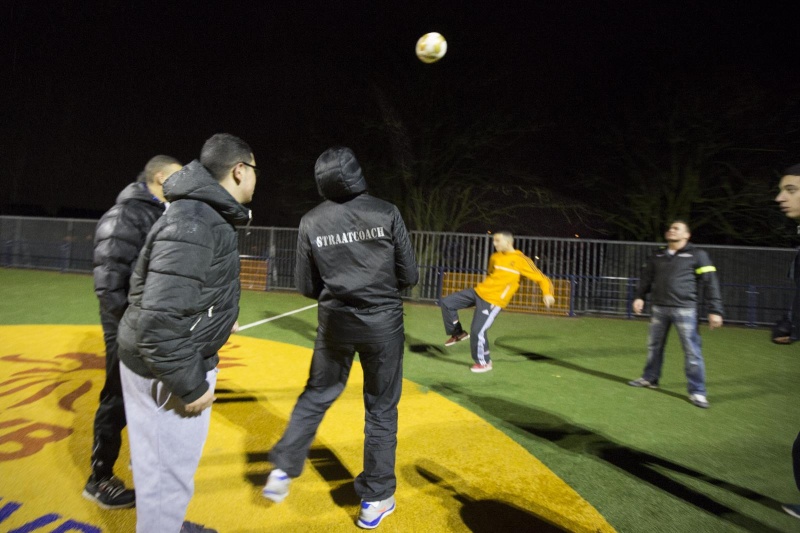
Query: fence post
[573, 283]
[66, 249]
[752, 301]
[629, 299]
[439, 281]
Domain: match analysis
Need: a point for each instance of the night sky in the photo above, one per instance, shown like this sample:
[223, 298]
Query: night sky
[92, 90]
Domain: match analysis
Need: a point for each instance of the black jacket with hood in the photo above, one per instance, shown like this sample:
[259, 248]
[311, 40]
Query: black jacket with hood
[354, 256]
[676, 280]
[184, 295]
[119, 236]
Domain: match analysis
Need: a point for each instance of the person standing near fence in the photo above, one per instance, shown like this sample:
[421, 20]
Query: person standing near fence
[789, 201]
[787, 330]
[119, 237]
[183, 306]
[491, 296]
[354, 256]
[674, 277]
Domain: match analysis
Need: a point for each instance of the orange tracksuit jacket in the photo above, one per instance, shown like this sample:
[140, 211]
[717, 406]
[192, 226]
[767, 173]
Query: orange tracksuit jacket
[502, 280]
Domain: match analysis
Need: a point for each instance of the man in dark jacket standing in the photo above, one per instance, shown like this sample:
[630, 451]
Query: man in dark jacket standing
[787, 330]
[673, 277]
[183, 305]
[119, 236]
[789, 200]
[354, 256]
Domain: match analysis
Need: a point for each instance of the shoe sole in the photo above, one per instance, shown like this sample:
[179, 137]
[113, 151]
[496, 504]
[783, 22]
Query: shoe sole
[700, 405]
[481, 370]
[91, 497]
[455, 342]
[364, 525]
[789, 511]
[274, 496]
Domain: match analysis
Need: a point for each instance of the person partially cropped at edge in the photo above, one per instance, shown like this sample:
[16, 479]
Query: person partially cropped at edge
[355, 257]
[674, 277]
[119, 237]
[183, 306]
[787, 330]
[492, 295]
[789, 201]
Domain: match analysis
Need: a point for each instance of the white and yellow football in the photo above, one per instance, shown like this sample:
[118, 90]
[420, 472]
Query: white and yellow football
[431, 47]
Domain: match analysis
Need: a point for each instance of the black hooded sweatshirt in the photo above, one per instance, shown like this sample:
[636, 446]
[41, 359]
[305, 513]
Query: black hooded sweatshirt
[354, 256]
[184, 296]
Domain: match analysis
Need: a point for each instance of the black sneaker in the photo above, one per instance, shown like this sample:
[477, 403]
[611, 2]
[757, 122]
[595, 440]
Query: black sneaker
[109, 493]
[191, 527]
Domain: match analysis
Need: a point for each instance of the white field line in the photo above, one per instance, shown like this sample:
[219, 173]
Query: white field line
[270, 319]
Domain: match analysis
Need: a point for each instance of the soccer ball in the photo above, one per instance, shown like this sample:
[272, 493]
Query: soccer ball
[431, 47]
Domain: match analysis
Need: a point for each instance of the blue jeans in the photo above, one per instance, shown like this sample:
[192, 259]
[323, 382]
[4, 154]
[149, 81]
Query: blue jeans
[685, 320]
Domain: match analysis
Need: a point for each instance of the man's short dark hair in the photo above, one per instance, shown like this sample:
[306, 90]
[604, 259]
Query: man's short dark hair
[682, 221]
[156, 165]
[222, 152]
[793, 170]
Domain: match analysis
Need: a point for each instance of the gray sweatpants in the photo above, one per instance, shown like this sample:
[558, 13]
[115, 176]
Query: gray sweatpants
[166, 443]
[482, 320]
[382, 363]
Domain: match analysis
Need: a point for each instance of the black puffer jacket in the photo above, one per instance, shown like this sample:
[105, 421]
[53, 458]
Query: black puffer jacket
[353, 255]
[184, 296]
[676, 280]
[119, 236]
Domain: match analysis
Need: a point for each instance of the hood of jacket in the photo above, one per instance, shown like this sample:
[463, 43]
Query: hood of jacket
[137, 191]
[338, 174]
[194, 182]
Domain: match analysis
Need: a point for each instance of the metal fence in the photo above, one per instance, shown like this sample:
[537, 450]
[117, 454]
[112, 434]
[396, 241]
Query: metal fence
[602, 275]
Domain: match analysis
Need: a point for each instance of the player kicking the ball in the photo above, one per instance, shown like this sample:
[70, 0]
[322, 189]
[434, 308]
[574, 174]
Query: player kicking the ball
[492, 295]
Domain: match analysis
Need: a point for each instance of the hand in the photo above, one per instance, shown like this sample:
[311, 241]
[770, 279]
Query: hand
[549, 300]
[201, 403]
[638, 305]
[714, 321]
[235, 327]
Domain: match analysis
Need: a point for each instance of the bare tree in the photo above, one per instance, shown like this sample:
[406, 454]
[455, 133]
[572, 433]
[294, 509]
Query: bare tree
[455, 168]
[698, 153]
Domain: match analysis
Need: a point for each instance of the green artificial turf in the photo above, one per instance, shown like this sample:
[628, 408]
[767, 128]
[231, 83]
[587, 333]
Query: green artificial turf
[647, 460]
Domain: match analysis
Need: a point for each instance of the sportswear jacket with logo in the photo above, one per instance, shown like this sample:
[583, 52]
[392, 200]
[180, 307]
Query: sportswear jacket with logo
[674, 280]
[354, 256]
[503, 275]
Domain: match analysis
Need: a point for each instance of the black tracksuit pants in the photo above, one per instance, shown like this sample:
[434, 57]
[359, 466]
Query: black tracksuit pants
[382, 364]
[796, 461]
[109, 420]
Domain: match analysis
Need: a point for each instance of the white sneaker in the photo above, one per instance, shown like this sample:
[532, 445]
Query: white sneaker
[699, 400]
[277, 487]
[373, 512]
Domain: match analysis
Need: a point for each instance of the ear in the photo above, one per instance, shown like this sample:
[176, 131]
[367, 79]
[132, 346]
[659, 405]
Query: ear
[237, 173]
[160, 178]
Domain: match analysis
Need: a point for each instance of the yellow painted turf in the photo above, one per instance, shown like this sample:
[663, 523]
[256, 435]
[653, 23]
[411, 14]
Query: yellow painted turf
[455, 471]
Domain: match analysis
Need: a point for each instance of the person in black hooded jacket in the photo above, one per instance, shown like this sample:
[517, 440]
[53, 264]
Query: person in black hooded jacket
[355, 257]
[183, 306]
[119, 236]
